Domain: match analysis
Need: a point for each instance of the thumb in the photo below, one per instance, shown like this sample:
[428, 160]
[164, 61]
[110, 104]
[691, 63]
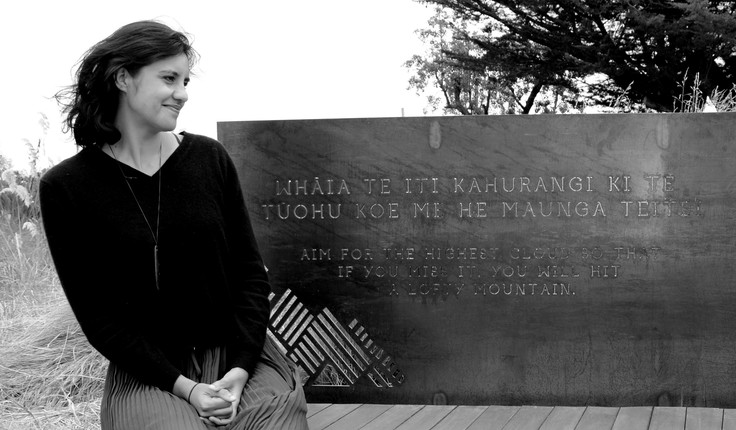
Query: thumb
[216, 386]
[221, 391]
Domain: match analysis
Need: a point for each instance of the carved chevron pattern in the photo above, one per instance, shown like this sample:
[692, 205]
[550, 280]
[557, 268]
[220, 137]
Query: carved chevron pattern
[331, 354]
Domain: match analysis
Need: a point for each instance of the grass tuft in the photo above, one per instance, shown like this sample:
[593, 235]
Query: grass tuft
[50, 376]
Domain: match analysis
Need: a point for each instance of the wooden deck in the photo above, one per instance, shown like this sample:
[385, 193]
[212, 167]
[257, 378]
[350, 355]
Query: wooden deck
[420, 417]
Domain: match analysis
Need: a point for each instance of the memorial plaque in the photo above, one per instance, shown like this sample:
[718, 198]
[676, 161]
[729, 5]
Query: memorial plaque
[576, 260]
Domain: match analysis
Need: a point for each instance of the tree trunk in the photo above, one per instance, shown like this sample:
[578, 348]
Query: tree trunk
[530, 100]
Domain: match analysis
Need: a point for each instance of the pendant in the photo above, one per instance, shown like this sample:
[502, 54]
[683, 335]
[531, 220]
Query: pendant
[155, 264]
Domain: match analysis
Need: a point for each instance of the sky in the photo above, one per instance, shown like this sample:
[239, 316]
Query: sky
[260, 60]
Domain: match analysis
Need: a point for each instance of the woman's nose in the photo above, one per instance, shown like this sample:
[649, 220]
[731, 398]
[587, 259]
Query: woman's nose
[181, 94]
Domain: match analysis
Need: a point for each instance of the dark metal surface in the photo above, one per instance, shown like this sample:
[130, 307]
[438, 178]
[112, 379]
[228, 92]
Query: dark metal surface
[577, 260]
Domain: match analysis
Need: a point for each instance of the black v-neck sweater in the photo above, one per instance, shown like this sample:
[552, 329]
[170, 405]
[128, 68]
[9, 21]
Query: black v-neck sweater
[213, 288]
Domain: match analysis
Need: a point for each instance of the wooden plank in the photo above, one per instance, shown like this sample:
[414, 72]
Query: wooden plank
[704, 419]
[633, 418]
[359, 417]
[313, 408]
[460, 418]
[529, 418]
[392, 418]
[411, 417]
[329, 415]
[494, 418]
[426, 418]
[597, 418]
[667, 418]
[729, 419]
[563, 418]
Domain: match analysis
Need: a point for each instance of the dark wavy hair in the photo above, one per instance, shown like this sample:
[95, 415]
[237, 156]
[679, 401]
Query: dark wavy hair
[91, 103]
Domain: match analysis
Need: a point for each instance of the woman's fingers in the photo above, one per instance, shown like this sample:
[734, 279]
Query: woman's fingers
[211, 405]
[220, 421]
[221, 413]
[222, 393]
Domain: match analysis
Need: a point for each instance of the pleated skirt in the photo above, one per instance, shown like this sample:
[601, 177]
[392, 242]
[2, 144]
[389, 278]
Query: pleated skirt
[272, 399]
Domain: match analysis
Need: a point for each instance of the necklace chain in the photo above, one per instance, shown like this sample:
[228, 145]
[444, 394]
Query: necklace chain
[140, 208]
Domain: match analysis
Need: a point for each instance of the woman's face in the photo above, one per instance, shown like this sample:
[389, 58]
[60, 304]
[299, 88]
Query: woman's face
[154, 96]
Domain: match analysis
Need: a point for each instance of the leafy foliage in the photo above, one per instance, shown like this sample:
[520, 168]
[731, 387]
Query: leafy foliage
[647, 47]
[470, 87]
[464, 90]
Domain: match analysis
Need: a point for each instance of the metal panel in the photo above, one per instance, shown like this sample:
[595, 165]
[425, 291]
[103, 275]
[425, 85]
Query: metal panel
[576, 260]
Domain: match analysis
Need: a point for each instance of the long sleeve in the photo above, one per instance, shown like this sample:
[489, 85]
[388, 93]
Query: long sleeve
[247, 277]
[84, 271]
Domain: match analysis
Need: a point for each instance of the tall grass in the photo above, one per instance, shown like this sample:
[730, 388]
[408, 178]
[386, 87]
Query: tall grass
[693, 100]
[50, 377]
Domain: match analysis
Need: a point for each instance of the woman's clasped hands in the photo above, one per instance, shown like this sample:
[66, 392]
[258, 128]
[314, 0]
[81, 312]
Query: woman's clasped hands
[217, 403]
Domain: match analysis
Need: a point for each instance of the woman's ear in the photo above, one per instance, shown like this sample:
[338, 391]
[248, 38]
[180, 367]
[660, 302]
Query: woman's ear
[121, 79]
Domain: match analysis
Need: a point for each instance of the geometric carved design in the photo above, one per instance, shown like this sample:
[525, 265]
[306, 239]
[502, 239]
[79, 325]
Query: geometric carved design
[329, 353]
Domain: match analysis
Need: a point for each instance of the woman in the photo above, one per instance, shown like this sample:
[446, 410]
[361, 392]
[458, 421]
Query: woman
[153, 245]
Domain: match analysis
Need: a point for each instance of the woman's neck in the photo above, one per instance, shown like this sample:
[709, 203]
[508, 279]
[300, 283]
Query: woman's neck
[143, 154]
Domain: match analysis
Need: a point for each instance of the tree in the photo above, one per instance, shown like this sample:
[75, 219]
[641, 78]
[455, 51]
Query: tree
[463, 90]
[474, 88]
[651, 49]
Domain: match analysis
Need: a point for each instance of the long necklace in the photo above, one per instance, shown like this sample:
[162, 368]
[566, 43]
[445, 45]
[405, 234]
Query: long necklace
[145, 218]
